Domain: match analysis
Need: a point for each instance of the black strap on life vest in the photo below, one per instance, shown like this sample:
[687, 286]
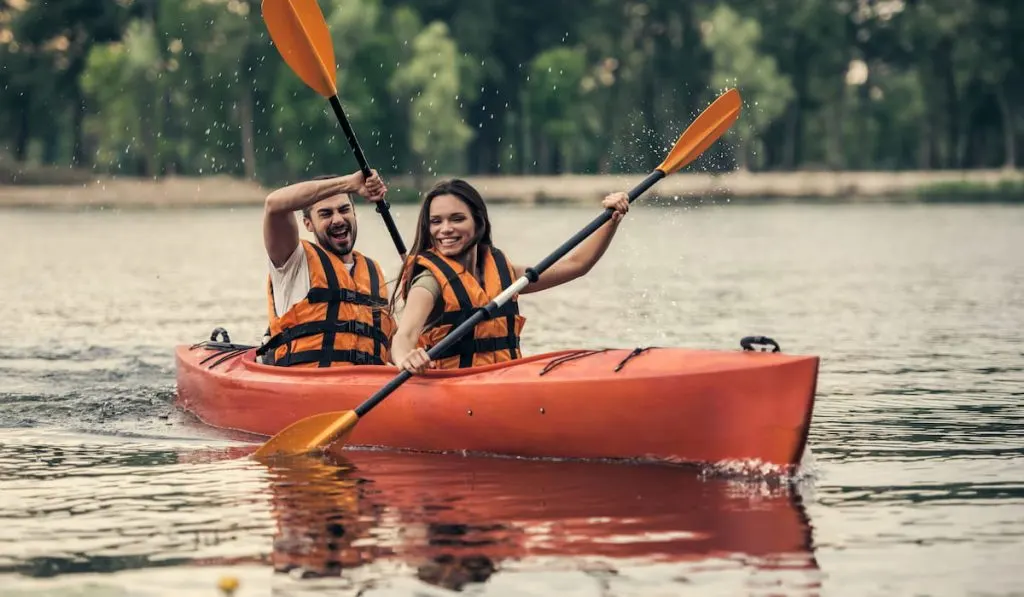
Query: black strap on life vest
[334, 296]
[479, 345]
[327, 346]
[465, 347]
[455, 318]
[505, 276]
[469, 344]
[314, 328]
[356, 357]
[344, 295]
[380, 340]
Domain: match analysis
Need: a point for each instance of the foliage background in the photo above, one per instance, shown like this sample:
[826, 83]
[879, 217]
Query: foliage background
[191, 87]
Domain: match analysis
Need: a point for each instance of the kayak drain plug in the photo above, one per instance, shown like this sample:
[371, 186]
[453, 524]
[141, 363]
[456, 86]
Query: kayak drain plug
[469, 412]
[542, 410]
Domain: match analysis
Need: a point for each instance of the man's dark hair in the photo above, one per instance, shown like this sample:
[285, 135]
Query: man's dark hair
[307, 211]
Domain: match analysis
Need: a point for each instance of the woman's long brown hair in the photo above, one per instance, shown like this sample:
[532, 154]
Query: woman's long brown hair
[423, 242]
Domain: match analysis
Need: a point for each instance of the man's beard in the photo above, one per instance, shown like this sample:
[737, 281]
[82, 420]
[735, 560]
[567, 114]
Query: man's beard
[329, 243]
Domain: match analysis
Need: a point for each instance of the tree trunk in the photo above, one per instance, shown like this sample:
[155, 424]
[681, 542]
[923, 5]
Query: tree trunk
[691, 57]
[525, 136]
[77, 129]
[170, 133]
[963, 132]
[792, 156]
[612, 120]
[483, 149]
[149, 157]
[947, 78]
[647, 105]
[924, 144]
[22, 135]
[148, 126]
[792, 119]
[742, 152]
[418, 180]
[245, 117]
[557, 159]
[1009, 137]
[543, 155]
[51, 144]
[835, 156]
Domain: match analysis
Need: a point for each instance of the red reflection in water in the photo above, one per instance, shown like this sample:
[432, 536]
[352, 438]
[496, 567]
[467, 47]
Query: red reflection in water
[457, 519]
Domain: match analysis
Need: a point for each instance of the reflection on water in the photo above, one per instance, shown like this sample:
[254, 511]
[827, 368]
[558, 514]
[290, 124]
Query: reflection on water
[458, 520]
[366, 518]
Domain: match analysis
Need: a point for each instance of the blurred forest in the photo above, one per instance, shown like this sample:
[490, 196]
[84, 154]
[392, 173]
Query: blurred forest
[192, 87]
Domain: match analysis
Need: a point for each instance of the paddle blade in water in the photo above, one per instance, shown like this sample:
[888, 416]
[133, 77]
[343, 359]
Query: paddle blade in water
[300, 34]
[704, 131]
[309, 434]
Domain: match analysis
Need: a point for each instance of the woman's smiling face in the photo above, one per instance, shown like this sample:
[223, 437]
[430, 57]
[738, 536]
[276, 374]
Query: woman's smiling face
[452, 228]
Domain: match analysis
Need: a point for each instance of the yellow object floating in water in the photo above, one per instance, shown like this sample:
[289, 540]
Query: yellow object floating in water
[227, 584]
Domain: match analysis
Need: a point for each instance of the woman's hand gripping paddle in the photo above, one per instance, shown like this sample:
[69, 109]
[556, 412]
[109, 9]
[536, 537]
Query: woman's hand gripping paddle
[319, 431]
[300, 33]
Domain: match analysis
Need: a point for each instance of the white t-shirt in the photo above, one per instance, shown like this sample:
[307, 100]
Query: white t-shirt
[291, 280]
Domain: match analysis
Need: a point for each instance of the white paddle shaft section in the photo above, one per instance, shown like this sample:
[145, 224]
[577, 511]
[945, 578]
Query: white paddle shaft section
[511, 291]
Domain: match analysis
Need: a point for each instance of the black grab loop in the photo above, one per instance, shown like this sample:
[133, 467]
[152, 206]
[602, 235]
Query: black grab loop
[220, 347]
[749, 342]
[223, 333]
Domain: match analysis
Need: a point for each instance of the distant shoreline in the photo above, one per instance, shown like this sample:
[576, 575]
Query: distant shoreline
[221, 191]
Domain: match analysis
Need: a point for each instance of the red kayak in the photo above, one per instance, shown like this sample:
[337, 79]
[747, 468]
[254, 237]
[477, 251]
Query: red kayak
[665, 404]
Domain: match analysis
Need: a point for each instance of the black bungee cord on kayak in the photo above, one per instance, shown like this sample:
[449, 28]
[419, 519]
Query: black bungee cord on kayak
[569, 357]
[635, 352]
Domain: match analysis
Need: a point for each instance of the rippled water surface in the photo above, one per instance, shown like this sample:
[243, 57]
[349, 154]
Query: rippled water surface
[914, 483]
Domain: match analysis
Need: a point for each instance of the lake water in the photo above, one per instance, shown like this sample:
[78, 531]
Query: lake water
[914, 483]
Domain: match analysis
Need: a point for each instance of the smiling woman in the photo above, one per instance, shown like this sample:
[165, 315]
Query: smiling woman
[454, 269]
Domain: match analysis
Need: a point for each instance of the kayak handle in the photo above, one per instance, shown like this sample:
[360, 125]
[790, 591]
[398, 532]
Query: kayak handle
[223, 333]
[748, 343]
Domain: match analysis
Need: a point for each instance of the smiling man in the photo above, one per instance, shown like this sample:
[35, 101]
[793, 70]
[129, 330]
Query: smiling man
[327, 303]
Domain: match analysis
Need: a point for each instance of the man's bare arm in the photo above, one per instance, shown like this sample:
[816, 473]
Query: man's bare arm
[280, 230]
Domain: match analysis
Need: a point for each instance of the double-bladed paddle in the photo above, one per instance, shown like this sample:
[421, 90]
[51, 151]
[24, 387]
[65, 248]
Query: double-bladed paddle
[299, 31]
[319, 431]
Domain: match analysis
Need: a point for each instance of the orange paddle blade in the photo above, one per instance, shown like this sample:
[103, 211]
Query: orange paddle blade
[300, 34]
[309, 434]
[704, 131]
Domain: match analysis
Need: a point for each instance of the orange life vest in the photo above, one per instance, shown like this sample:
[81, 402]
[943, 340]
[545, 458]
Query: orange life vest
[493, 340]
[341, 321]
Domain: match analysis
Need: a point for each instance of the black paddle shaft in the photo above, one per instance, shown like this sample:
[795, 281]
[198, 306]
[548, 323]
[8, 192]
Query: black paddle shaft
[453, 337]
[532, 274]
[382, 206]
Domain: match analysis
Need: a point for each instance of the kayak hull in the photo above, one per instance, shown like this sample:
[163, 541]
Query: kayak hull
[669, 404]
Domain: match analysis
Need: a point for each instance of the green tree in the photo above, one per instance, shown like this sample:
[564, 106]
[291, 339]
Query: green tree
[732, 40]
[439, 133]
[154, 87]
[67, 31]
[121, 81]
[556, 100]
